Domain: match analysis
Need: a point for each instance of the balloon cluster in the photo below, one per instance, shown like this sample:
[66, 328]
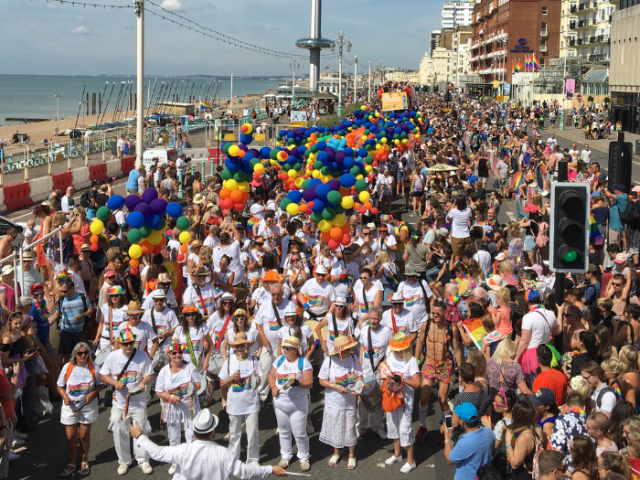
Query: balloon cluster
[146, 219]
[239, 169]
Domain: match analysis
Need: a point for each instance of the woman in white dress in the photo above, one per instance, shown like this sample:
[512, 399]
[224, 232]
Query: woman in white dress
[290, 379]
[240, 374]
[195, 338]
[402, 366]
[79, 384]
[112, 316]
[177, 384]
[339, 373]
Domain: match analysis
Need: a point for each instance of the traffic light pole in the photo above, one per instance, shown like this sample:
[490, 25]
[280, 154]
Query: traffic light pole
[563, 172]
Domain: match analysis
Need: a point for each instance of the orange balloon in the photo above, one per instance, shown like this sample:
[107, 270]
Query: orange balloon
[346, 228]
[303, 208]
[94, 239]
[336, 233]
[146, 250]
[245, 196]
[163, 241]
[224, 193]
[236, 196]
[367, 205]
[357, 206]
[184, 248]
[325, 236]
[345, 240]
[133, 263]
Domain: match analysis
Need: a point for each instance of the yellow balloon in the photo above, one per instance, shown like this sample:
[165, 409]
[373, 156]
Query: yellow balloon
[383, 140]
[347, 203]
[360, 176]
[96, 227]
[339, 220]
[233, 150]
[405, 141]
[298, 182]
[324, 226]
[396, 141]
[292, 209]
[185, 237]
[292, 173]
[135, 251]
[243, 187]
[316, 174]
[258, 167]
[155, 238]
[364, 196]
[368, 168]
[231, 185]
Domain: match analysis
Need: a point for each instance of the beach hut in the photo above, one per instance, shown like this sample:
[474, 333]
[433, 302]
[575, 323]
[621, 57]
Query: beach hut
[324, 100]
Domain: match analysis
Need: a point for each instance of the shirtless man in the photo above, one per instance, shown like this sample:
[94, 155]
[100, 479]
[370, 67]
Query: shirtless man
[6, 248]
[437, 364]
[572, 326]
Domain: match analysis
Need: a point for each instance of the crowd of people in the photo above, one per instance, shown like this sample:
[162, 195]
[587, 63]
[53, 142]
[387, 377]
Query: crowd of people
[260, 310]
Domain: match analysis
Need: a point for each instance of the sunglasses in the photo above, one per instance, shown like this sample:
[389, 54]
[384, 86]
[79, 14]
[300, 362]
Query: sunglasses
[157, 300]
[82, 353]
[277, 295]
[288, 349]
[175, 353]
[295, 259]
[64, 291]
[227, 302]
[616, 284]
[190, 314]
[41, 294]
[365, 278]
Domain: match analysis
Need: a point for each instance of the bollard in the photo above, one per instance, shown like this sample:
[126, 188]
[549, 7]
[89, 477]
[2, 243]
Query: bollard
[179, 183]
[69, 157]
[26, 163]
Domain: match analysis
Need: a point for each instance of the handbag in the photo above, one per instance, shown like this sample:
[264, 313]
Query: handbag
[108, 397]
[391, 400]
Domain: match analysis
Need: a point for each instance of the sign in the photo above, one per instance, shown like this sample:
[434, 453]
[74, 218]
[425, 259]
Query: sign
[579, 97]
[506, 89]
[570, 88]
[395, 101]
[500, 98]
[298, 117]
[522, 47]
[496, 84]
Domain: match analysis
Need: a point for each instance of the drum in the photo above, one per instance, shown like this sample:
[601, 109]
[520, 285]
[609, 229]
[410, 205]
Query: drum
[215, 363]
[160, 359]
[371, 396]
[102, 356]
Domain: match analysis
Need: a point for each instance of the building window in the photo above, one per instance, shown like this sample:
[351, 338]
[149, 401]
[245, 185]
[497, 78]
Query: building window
[543, 43]
[544, 10]
[543, 61]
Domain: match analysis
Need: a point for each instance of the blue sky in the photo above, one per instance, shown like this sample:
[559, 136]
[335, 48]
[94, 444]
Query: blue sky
[59, 39]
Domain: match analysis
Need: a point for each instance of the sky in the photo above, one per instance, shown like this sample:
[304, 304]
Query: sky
[54, 39]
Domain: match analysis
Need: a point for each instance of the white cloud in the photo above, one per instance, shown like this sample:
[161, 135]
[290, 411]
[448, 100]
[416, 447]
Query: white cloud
[81, 30]
[172, 6]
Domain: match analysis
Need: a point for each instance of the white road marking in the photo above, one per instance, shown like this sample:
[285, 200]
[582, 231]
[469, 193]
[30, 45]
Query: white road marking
[512, 216]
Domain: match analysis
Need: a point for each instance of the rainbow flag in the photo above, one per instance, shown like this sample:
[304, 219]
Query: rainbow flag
[527, 63]
[518, 66]
[519, 181]
[393, 281]
[475, 329]
[493, 270]
[534, 62]
[278, 251]
[513, 68]
[594, 232]
[204, 105]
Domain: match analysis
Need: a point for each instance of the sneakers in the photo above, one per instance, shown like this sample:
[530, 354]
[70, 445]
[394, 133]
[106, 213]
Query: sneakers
[305, 465]
[172, 469]
[123, 469]
[146, 468]
[20, 435]
[393, 459]
[406, 468]
[284, 463]
[381, 433]
[13, 456]
[310, 429]
[422, 432]
[17, 443]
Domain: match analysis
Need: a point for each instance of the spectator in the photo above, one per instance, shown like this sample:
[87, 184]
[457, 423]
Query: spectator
[602, 399]
[549, 377]
[523, 446]
[619, 203]
[550, 465]
[460, 218]
[573, 422]
[598, 429]
[585, 461]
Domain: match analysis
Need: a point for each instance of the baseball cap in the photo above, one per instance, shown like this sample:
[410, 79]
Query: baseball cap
[619, 186]
[544, 396]
[602, 176]
[467, 412]
[531, 295]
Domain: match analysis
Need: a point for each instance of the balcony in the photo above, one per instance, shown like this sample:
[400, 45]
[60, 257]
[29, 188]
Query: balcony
[592, 39]
[572, 26]
[543, 48]
[573, 9]
[572, 42]
[544, 33]
[580, 41]
[582, 7]
[590, 6]
[610, 18]
[599, 58]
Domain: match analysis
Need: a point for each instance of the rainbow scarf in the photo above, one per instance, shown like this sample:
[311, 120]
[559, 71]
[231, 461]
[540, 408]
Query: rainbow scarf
[594, 232]
[43, 311]
[453, 301]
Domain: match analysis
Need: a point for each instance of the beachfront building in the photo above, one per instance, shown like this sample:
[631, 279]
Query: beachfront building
[330, 82]
[588, 25]
[457, 14]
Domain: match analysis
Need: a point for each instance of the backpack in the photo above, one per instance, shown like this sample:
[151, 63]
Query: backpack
[542, 239]
[391, 400]
[630, 216]
[85, 198]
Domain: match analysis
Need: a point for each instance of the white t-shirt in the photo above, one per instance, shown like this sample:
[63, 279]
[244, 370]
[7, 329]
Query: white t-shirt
[216, 327]
[380, 342]
[177, 383]
[269, 322]
[459, 222]
[341, 372]
[117, 317]
[139, 368]
[405, 322]
[287, 371]
[345, 328]
[211, 241]
[208, 293]
[351, 272]
[197, 335]
[399, 367]
[414, 300]
[257, 211]
[170, 302]
[165, 320]
[540, 327]
[320, 296]
[269, 234]
[143, 332]
[287, 331]
[378, 245]
[608, 402]
[80, 383]
[241, 398]
[359, 297]
[232, 251]
[252, 335]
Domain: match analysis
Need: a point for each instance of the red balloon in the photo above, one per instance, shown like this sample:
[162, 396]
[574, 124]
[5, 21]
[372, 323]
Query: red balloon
[157, 249]
[227, 203]
[238, 207]
[363, 210]
[134, 271]
[180, 257]
[310, 205]
[333, 245]
[94, 247]
[256, 175]
[346, 240]
[374, 211]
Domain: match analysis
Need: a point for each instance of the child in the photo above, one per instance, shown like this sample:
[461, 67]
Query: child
[453, 316]
[74, 271]
[30, 233]
[502, 315]
[490, 339]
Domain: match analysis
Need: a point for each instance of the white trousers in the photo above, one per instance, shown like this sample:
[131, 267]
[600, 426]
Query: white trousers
[121, 435]
[266, 362]
[253, 439]
[292, 422]
[174, 432]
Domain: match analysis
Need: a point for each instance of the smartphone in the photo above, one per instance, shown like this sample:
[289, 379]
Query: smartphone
[33, 350]
[447, 421]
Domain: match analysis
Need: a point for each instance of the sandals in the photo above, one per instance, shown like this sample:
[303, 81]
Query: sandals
[334, 460]
[68, 470]
[84, 469]
[351, 464]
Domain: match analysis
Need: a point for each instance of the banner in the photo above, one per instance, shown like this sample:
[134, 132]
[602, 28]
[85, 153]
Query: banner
[570, 88]
[506, 89]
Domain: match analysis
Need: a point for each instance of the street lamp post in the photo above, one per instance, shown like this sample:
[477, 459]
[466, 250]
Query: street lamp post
[341, 42]
[57, 97]
[564, 79]
[294, 64]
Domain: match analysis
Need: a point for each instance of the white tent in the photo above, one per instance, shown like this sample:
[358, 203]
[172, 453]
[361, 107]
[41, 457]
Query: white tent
[268, 95]
[283, 86]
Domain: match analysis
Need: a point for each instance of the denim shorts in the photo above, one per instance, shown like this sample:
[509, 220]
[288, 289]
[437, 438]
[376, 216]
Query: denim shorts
[529, 243]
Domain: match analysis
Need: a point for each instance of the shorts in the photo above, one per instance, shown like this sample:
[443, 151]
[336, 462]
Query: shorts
[504, 182]
[459, 244]
[529, 243]
[86, 416]
[438, 370]
[418, 193]
[68, 340]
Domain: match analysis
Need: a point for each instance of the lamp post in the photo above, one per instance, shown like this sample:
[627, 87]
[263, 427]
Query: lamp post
[341, 42]
[564, 79]
[294, 64]
[57, 97]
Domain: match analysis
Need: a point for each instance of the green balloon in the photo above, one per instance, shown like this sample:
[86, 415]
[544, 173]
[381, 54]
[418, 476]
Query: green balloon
[286, 167]
[355, 170]
[134, 236]
[328, 213]
[226, 174]
[339, 209]
[273, 154]
[335, 173]
[305, 183]
[104, 213]
[183, 224]
[334, 197]
[324, 170]
[284, 203]
[145, 231]
[368, 160]
[317, 165]
[297, 167]
[361, 185]
[314, 149]
[240, 177]
[254, 162]
[316, 217]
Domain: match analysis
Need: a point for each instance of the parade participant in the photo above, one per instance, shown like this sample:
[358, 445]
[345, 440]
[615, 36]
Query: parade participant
[162, 283]
[366, 294]
[180, 406]
[400, 319]
[325, 257]
[161, 318]
[202, 459]
[416, 294]
[384, 242]
[243, 324]
[338, 375]
[128, 370]
[294, 327]
[219, 327]
[221, 317]
[113, 314]
[317, 294]
[433, 346]
[345, 272]
[192, 261]
[146, 338]
[269, 320]
[201, 293]
[402, 366]
[232, 250]
[262, 293]
[240, 373]
[338, 323]
[79, 385]
[195, 337]
[375, 340]
[297, 270]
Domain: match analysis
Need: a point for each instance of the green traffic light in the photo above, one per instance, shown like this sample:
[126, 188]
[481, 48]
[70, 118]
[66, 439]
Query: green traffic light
[570, 257]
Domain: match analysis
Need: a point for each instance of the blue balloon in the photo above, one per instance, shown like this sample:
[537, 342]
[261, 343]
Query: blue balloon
[174, 210]
[314, 182]
[295, 196]
[347, 180]
[323, 190]
[362, 153]
[153, 222]
[323, 157]
[318, 205]
[136, 219]
[321, 145]
[116, 202]
[349, 162]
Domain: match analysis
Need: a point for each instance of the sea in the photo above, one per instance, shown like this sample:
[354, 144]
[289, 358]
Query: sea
[32, 96]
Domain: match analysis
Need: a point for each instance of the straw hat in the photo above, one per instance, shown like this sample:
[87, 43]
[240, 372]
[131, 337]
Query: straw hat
[28, 255]
[7, 270]
[495, 282]
[240, 338]
[196, 243]
[240, 313]
[159, 293]
[200, 271]
[400, 342]
[199, 198]
[342, 343]
[292, 341]
[133, 308]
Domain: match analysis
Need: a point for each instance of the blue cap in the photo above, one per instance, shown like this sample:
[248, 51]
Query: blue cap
[595, 194]
[467, 412]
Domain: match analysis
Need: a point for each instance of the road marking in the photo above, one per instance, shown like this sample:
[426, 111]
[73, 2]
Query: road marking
[512, 216]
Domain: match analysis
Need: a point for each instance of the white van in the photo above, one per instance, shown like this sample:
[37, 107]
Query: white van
[159, 156]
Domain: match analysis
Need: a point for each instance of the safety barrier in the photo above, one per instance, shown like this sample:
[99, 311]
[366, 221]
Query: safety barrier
[214, 153]
[128, 164]
[17, 196]
[41, 188]
[62, 180]
[98, 172]
[81, 178]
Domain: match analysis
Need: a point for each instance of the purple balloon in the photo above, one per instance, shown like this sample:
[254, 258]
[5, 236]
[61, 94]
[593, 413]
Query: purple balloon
[340, 156]
[144, 209]
[132, 201]
[149, 195]
[334, 184]
[309, 194]
[158, 206]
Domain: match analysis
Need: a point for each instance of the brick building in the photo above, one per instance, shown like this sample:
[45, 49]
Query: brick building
[506, 31]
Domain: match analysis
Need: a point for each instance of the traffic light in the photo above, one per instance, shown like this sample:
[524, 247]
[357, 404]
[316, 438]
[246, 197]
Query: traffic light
[569, 231]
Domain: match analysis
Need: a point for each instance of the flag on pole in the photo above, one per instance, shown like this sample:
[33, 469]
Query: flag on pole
[518, 66]
[535, 63]
[204, 105]
[513, 70]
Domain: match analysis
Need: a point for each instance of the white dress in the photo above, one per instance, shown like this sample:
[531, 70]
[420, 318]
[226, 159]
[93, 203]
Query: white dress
[178, 384]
